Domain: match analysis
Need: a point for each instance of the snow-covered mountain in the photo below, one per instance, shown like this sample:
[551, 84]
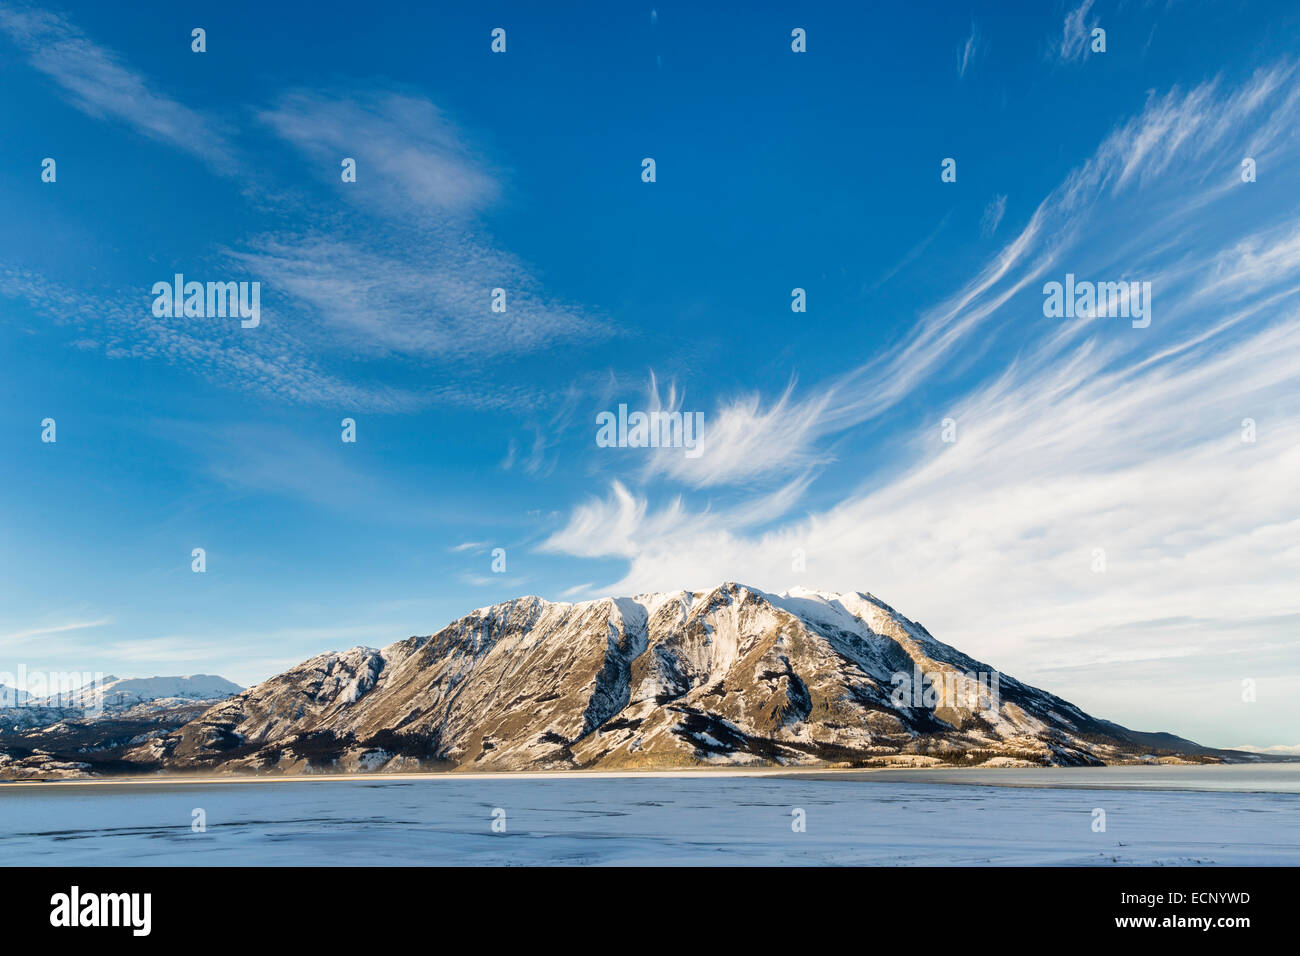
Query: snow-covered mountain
[121, 692]
[722, 677]
[86, 729]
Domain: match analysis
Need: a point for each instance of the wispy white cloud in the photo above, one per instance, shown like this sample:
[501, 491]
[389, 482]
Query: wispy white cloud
[743, 439]
[617, 526]
[1090, 437]
[748, 439]
[102, 84]
[410, 273]
[577, 590]
[911, 256]
[25, 636]
[993, 214]
[411, 158]
[970, 51]
[992, 541]
[272, 360]
[422, 294]
[1076, 33]
[510, 585]
[385, 279]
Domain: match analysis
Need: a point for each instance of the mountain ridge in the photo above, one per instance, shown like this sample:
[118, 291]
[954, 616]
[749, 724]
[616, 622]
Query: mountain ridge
[730, 676]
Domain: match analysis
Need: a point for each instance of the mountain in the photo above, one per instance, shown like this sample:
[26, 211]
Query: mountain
[731, 676]
[119, 692]
[88, 729]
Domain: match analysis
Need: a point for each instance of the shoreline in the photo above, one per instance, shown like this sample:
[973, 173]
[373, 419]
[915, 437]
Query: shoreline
[1011, 777]
[193, 779]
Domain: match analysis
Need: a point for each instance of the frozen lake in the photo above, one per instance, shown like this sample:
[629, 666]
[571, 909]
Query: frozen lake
[1198, 816]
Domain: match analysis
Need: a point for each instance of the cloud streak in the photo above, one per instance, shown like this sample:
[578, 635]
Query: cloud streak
[970, 51]
[101, 84]
[410, 155]
[1090, 442]
[399, 270]
[1075, 33]
[747, 439]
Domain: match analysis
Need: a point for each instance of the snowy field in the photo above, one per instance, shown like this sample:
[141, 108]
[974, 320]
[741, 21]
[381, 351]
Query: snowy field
[712, 820]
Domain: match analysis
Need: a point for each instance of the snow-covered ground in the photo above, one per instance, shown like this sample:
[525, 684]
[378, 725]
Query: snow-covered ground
[646, 820]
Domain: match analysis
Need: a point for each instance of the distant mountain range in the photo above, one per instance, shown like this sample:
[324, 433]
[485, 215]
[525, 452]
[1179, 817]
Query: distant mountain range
[86, 730]
[727, 677]
[119, 692]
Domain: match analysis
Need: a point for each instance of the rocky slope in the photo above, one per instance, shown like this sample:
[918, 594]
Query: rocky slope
[732, 676]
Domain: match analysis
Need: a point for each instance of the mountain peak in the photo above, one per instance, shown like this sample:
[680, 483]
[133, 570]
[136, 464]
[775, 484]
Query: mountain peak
[732, 675]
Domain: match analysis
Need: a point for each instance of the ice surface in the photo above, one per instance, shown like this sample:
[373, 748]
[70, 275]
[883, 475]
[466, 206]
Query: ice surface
[851, 819]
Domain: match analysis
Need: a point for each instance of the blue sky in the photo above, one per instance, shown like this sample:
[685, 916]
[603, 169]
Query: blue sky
[775, 170]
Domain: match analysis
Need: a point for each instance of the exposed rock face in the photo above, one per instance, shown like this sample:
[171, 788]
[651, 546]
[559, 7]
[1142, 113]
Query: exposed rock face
[724, 677]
